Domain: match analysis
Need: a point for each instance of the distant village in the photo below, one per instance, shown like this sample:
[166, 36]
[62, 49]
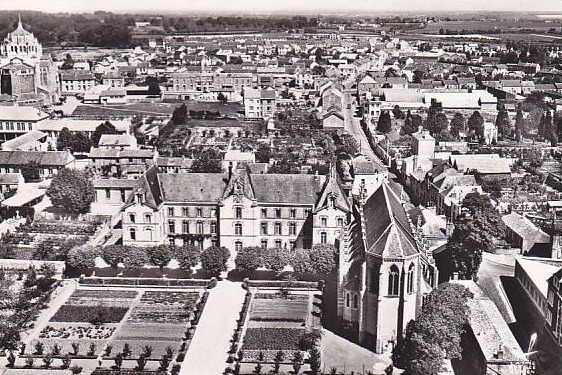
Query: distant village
[345, 175]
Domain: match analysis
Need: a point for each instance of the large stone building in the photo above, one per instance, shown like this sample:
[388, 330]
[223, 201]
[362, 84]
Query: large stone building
[25, 73]
[383, 271]
[236, 210]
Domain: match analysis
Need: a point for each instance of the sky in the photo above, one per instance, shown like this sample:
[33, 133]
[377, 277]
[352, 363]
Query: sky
[284, 6]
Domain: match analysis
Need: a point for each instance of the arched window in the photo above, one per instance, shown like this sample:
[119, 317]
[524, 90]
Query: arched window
[394, 281]
[133, 234]
[410, 283]
[355, 301]
[147, 218]
[347, 300]
[132, 218]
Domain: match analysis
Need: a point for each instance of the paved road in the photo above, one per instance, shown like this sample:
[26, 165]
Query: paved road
[208, 351]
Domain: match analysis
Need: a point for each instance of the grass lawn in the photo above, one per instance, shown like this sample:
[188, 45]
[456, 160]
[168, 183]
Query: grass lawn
[341, 353]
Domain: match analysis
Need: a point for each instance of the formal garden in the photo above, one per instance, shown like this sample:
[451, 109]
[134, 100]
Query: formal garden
[116, 331]
[278, 330]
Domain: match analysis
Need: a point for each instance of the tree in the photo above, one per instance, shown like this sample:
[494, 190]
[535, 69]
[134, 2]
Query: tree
[314, 360]
[222, 98]
[397, 112]
[136, 258]
[161, 255]
[476, 124]
[141, 363]
[179, 116]
[249, 259]
[520, 124]
[72, 191]
[64, 139]
[458, 125]
[214, 258]
[30, 171]
[114, 254]
[9, 335]
[408, 126]
[154, 89]
[208, 162]
[475, 232]
[263, 153]
[384, 125]
[435, 333]
[297, 361]
[346, 144]
[103, 128]
[82, 256]
[80, 142]
[188, 256]
[275, 259]
[323, 259]
[68, 62]
[503, 123]
[431, 121]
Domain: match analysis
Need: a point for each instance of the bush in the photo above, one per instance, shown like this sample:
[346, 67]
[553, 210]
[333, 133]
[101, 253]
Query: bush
[249, 259]
[214, 259]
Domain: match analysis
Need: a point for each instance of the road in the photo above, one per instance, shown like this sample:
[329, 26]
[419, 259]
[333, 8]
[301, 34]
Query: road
[352, 123]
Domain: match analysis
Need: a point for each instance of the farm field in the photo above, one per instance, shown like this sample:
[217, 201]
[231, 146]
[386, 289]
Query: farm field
[512, 25]
[109, 323]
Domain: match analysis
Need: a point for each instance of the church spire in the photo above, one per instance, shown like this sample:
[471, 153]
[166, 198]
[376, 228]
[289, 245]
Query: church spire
[20, 26]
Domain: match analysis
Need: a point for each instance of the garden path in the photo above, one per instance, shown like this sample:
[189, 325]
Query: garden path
[208, 351]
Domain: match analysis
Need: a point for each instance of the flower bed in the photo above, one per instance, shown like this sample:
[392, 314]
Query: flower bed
[279, 310]
[165, 307]
[134, 281]
[272, 339]
[88, 313]
[151, 331]
[287, 297]
[59, 227]
[115, 298]
[77, 332]
[268, 356]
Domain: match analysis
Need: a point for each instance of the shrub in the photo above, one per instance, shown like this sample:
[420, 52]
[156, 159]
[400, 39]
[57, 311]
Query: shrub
[66, 362]
[214, 259]
[249, 259]
[39, 347]
[29, 362]
[76, 369]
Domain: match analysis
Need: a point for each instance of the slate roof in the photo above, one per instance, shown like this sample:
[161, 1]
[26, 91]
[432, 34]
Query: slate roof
[525, 228]
[44, 158]
[299, 189]
[192, 187]
[17, 113]
[387, 229]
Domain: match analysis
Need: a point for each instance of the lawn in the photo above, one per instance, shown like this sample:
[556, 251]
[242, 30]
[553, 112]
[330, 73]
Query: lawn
[151, 331]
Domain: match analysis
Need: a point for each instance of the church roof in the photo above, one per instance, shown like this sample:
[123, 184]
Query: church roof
[388, 232]
[20, 31]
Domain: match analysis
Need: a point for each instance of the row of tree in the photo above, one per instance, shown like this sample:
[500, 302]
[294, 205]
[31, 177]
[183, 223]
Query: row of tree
[319, 261]
[213, 259]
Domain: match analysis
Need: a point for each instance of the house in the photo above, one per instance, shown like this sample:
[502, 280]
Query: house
[488, 344]
[53, 127]
[10, 182]
[383, 271]
[17, 120]
[259, 103]
[333, 120]
[34, 140]
[490, 166]
[49, 162]
[117, 141]
[113, 191]
[523, 234]
[76, 81]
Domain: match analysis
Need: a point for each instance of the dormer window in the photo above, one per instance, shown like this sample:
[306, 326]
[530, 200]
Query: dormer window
[139, 198]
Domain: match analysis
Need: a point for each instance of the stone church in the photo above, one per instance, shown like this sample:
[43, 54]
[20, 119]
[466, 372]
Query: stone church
[384, 271]
[26, 75]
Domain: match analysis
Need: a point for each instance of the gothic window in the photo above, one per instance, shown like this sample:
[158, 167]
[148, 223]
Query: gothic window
[347, 300]
[394, 281]
[410, 283]
[355, 301]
